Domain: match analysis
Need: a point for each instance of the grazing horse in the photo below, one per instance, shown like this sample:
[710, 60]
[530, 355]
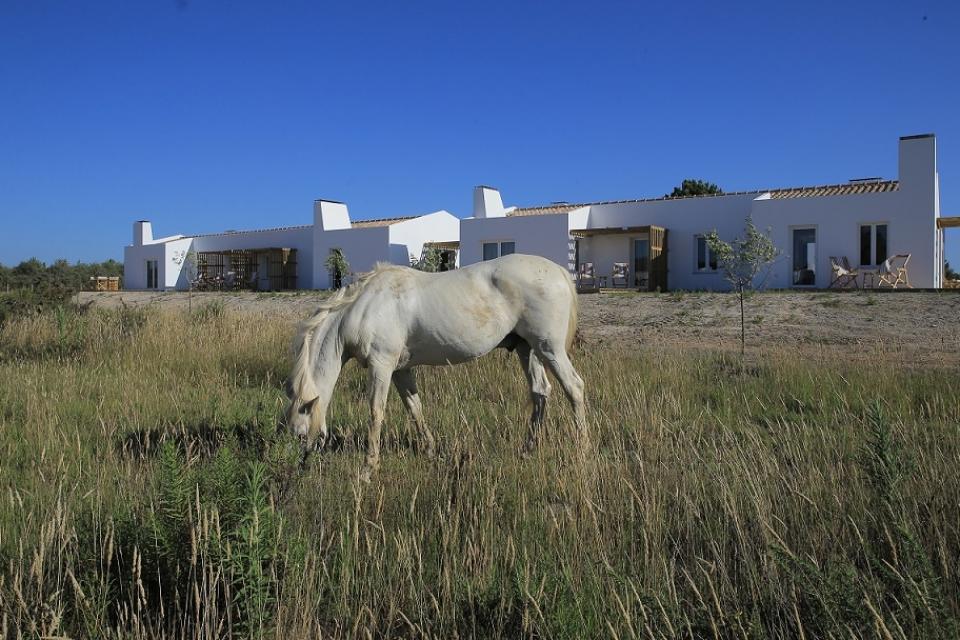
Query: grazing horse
[396, 318]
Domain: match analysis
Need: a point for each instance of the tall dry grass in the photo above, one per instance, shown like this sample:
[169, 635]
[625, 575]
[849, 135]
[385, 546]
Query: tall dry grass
[146, 495]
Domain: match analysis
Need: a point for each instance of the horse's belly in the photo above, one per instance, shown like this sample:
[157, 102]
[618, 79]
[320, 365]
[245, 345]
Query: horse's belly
[452, 354]
[440, 350]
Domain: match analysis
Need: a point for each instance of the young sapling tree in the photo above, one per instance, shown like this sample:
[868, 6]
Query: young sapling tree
[745, 263]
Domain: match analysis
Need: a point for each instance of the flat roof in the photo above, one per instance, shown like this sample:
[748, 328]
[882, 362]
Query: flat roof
[379, 222]
[841, 189]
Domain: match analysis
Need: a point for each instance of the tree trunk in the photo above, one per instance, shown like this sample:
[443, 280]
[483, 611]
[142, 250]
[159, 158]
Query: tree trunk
[743, 333]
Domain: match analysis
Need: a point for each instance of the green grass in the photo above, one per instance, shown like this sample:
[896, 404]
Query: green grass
[147, 495]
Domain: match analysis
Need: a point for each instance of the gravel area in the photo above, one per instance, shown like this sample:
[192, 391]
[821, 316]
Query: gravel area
[915, 327]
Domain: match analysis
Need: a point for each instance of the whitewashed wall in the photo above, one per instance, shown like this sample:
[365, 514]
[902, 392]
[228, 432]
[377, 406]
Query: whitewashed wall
[173, 268]
[135, 264]
[837, 221]
[362, 248]
[909, 213]
[543, 235]
[407, 238]
[684, 220]
[174, 260]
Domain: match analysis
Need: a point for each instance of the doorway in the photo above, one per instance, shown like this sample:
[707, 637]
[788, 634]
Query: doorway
[805, 257]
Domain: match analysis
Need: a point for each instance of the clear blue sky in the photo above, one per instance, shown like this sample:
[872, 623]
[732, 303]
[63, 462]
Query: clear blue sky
[204, 115]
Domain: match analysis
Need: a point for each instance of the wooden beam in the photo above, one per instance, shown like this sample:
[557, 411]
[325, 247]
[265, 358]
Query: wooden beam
[948, 222]
[601, 231]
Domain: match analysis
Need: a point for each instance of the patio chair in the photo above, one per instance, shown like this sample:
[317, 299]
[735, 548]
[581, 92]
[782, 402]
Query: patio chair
[586, 274]
[620, 274]
[893, 271]
[841, 273]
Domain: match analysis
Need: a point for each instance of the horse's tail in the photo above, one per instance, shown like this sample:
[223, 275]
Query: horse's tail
[572, 320]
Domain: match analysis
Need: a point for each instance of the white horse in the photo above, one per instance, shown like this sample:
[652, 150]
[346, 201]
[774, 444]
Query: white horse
[396, 318]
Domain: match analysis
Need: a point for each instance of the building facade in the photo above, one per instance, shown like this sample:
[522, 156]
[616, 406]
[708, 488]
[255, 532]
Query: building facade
[865, 221]
[647, 244]
[281, 258]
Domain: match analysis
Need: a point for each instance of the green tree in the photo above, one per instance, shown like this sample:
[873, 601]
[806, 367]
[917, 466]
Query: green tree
[431, 260]
[27, 269]
[948, 271]
[693, 187]
[338, 266]
[743, 261]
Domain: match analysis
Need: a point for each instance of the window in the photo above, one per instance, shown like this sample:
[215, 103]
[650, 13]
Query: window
[152, 274]
[494, 250]
[804, 257]
[873, 244]
[706, 261]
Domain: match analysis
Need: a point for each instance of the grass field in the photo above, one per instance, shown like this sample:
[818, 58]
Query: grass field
[146, 494]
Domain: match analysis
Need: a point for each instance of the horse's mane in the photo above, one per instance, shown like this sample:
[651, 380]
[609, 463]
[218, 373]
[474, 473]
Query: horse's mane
[301, 382]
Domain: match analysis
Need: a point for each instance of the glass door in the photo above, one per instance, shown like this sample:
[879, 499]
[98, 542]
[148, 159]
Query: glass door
[804, 257]
[641, 262]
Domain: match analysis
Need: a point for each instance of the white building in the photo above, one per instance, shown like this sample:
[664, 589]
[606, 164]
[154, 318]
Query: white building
[655, 243]
[661, 239]
[367, 242]
[281, 258]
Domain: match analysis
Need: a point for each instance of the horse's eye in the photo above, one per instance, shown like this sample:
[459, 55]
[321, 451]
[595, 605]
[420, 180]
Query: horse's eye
[306, 407]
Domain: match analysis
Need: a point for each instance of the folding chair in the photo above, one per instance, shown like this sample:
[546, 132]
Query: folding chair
[841, 274]
[620, 273]
[893, 271]
[586, 274]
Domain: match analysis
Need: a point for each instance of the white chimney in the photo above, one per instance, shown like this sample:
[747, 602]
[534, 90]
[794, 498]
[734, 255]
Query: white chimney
[142, 233]
[329, 215]
[487, 203]
[918, 162]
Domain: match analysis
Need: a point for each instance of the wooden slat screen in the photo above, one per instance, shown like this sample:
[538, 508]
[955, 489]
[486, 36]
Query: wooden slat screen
[658, 259]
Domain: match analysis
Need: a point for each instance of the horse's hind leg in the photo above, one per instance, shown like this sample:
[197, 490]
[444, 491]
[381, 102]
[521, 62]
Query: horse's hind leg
[539, 391]
[406, 383]
[556, 359]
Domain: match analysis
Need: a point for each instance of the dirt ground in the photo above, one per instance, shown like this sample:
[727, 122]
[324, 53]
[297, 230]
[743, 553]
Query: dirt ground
[916, 327]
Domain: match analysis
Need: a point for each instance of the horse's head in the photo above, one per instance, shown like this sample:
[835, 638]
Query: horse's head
[304, 418]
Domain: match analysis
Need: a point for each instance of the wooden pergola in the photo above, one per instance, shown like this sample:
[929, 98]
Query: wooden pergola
[657, 280]
[270, 269]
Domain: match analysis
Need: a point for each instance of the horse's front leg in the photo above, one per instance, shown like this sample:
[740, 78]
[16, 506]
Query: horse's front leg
[378, 388]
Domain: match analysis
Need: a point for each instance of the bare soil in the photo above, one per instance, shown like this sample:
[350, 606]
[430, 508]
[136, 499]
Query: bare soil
[914, 327]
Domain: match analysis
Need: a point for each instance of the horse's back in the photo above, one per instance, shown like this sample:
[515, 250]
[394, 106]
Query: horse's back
[458, 315]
